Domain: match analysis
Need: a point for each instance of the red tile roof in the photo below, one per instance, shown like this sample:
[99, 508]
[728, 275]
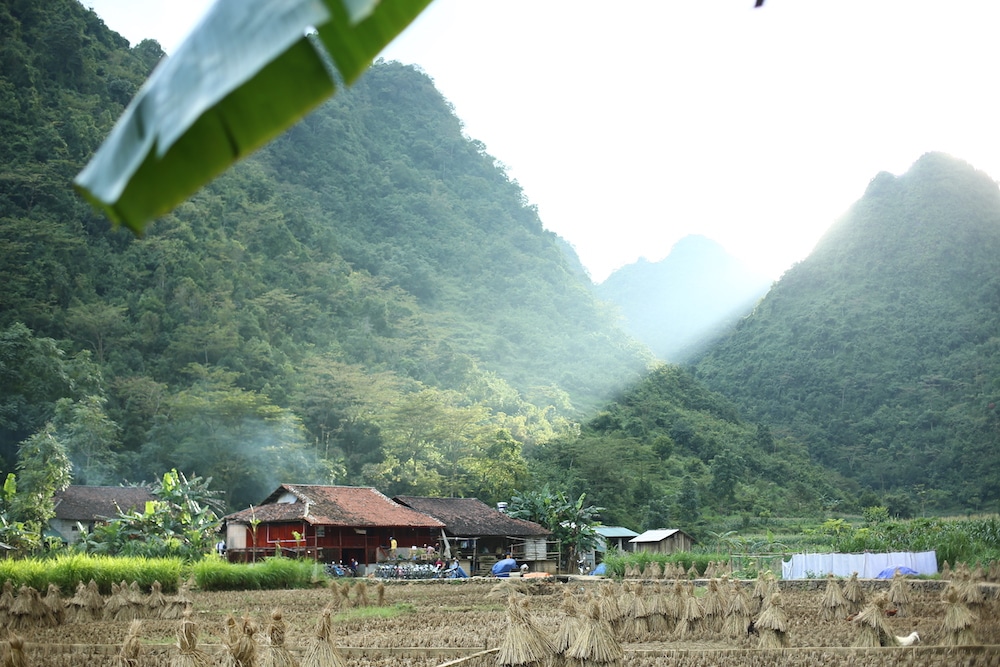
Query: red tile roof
[87, 503]
[334, 506]
[471, 517]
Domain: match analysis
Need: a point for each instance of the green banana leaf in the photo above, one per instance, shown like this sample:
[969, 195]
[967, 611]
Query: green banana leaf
[246, 73]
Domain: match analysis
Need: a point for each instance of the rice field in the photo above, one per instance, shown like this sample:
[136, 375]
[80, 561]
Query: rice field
[582, 621]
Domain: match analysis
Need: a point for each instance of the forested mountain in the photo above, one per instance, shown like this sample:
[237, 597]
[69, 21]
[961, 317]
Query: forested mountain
[881, 350]
[367, 300]
[677, 305]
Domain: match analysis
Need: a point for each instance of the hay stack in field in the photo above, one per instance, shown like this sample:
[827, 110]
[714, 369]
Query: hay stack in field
[958, 619]
[345, 593]
[611, 610]
[968, 590]
[762, 592]
[29, 611]
[654, 570]
[738, 614]
[240, 647]
[692, 572]
[873, 630]
[131, 652]
[6, 600]
[155, 602]
[188, 654]
[899, 593]
[945, 571]
[94, 602]
[15, 657]
[380, 593]
[632, 571]
[635, 626]
[772, 625]
[322, 651]
[54, 601]
[596, 645]
[76, 606]
[689, 613]
[361, 594]
[523, 643]
[658, 607]
[834, 605]
[571, 625]
[179, 603]
[713, 607]
[854, 594]
[117, 607]
[275, 653]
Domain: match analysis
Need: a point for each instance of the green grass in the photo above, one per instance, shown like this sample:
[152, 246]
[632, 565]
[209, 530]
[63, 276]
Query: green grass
[396, 610]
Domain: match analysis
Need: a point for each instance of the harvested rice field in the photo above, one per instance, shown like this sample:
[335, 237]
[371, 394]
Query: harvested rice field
[479, 622]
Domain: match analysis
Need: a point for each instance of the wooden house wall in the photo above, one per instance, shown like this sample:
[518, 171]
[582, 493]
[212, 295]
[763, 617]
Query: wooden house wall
[331, 544]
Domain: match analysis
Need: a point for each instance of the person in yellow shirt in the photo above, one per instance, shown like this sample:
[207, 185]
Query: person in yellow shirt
[392, 548]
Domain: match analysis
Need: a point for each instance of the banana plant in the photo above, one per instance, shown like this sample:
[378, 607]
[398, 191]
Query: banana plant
[247, 72]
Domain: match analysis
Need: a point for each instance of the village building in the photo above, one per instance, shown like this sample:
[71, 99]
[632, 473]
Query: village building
[480, 535]
[609, 538]
[663, 541]
[329, 524]
[87, 506]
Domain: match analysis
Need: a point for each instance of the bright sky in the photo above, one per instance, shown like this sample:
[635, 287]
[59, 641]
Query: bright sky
[632, 124]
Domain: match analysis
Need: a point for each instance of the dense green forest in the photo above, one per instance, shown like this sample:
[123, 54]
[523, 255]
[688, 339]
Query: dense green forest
[880, 350]
[370, 300]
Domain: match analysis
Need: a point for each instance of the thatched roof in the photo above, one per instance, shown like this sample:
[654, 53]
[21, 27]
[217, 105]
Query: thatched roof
[347, 506]
[471, 517]
[89, 503]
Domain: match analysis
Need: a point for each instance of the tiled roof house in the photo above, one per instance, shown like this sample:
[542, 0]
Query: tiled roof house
[327, 523]
[481, 533]
[88, 505]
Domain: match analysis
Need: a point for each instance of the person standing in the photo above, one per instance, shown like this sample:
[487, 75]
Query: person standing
[392, 548]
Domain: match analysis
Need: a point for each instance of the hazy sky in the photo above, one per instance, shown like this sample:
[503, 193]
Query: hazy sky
[632, 124]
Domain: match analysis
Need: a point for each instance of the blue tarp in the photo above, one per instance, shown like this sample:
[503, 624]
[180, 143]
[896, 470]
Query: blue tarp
[599, 570]
[503, 568]
[889, 572]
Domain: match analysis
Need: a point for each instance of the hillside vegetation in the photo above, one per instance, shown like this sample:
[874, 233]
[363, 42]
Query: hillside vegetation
[880, 350]
[368, 300]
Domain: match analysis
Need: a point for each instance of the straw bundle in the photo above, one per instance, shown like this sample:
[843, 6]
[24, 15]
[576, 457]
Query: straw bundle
[53, 600]
[675, 604]
[968, 590]
[761, 592]
[276, 654]
[635, 627]
[690, 614]
[6, 600]
[654, 570]
[118, 607]
[380, 593]
[345, 592]
[155, 603]
[713, 607]
[132, 651]
[958, 619]
[772, 625]
[29, 611]
[899, 593]
[596, 644]
[873, 630]
[834, 605]
[15, 656]
[361, 594]
[179, 603]
[854, 594]
[571, 625]
[611, 611]
[322, 651]
[523, 642]
[188, 654]
[658, 608]
[692, 572]
[632, 571]
[93, 602]
[76, 606]
[738, 614]
[945, 571]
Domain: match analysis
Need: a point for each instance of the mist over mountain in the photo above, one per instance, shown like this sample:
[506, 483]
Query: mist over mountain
[676, 305]
[880, 350]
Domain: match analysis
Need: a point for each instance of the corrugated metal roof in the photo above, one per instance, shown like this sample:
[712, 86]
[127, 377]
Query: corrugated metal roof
[87, 503]
[657, 535]
[615, 531]
[471, 517]
[335, 506]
